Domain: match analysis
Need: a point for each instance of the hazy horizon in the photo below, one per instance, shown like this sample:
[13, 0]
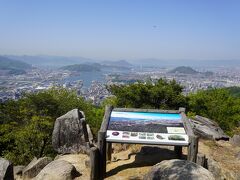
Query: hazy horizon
[114, 30]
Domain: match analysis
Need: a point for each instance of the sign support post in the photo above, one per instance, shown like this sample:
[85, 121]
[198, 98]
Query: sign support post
[102, 142]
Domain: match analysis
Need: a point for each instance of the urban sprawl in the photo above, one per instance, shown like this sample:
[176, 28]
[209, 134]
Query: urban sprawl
[35, 80]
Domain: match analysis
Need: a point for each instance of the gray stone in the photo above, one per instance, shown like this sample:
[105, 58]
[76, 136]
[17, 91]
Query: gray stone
[235, 140]
[18, 170]
[214, 168]
[34, 167]
[90, 134]
[70, 133]
[207, 128]
[135, 178]
[58, 170]
[6, 169]
[178, 170]
[87, 163]
[238, 156]
[218, 172]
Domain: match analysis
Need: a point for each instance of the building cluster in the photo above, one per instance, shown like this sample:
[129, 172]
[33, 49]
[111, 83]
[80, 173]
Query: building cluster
[13, 87]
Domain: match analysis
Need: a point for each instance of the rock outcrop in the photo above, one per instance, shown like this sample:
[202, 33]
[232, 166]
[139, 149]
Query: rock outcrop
[6, 169]
[178, 170]
[235, 140]
[207, 129]
[218, 172]
[90, 134]
[70, 133]
[18, 170]
[34, 167]
[58, 170]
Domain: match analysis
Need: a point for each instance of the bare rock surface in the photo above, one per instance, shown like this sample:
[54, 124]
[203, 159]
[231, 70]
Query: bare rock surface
[58, 170]
[70, 133]
[238, 156]
[6, 169]
[78, 161]
[218, 172]
[34, 167]
[207, 128]
[235, 140]
[90, 134]
[178, 170]
[18, 170]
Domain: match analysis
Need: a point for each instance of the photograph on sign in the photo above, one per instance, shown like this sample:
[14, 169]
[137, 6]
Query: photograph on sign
[146, 127]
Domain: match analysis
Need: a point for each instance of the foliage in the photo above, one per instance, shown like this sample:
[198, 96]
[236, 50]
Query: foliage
[234, 91]
[217, 104]
[160, 95]
[26, 125]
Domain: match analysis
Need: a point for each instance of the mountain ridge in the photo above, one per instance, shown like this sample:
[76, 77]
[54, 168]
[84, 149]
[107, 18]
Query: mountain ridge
[13, 67]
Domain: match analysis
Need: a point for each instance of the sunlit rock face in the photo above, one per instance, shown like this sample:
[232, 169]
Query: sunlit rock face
[70, 133]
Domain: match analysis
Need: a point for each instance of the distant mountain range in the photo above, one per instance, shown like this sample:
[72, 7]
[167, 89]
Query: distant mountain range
[9, 66]
[50, 61]
[179, 62]
[120, 63]
[59, 61]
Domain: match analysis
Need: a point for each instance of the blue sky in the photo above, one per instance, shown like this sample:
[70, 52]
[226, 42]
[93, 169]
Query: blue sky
[122, 29]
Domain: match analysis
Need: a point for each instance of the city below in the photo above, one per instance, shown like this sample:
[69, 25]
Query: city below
[92, 83]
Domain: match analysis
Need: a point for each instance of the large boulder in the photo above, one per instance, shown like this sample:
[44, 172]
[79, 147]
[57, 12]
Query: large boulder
[6, 169]
[207, 128]
[70, 133]
[34, 167]
[58, 170]
[178, 170]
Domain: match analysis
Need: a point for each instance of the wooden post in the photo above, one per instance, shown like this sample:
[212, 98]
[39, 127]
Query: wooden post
[102, 153]
[94, 163]
[106, 118]
[201, 160]
[109, 151]
[178, 151]
[193, 148]
[193, 140]
[102, 142]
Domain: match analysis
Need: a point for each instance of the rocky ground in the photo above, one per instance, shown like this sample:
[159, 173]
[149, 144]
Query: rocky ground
[135, 161]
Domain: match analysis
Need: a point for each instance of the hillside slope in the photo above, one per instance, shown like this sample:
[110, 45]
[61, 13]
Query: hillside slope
[184, 70]
[82, 68]
[10, 66]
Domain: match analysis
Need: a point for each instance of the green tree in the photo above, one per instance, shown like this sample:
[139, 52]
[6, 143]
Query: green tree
[217, 104]
[160, 95]
[26, 125]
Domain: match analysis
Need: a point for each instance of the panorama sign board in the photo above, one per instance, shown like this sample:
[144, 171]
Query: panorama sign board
[146, 128]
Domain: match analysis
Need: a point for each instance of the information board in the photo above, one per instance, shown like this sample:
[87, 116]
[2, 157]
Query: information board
[146, 128]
